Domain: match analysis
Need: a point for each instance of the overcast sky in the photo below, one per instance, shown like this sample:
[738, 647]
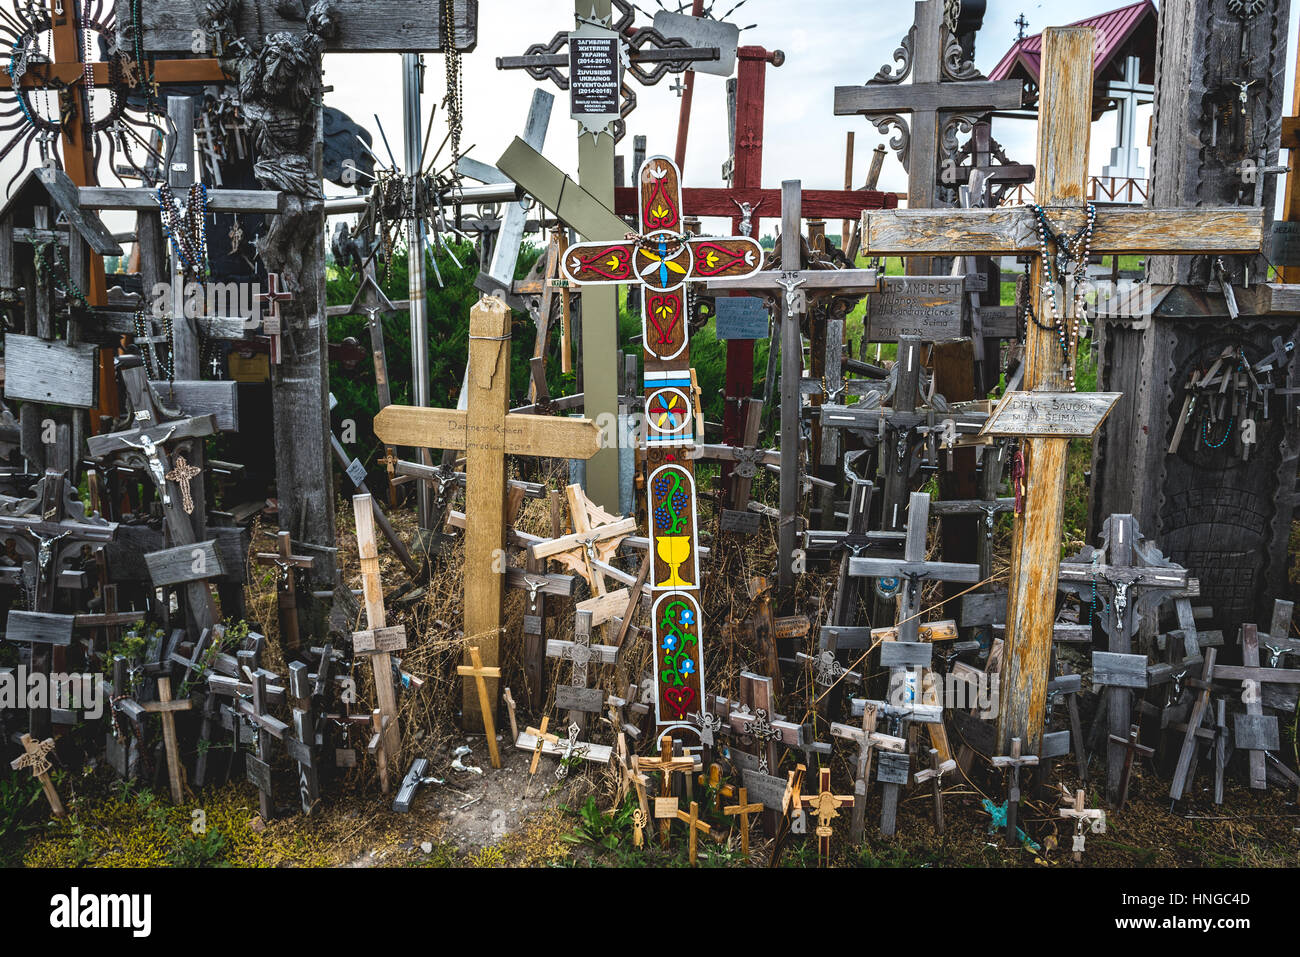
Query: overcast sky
[827, 44]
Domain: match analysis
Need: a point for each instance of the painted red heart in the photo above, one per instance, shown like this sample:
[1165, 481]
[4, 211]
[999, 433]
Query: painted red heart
[680, 699]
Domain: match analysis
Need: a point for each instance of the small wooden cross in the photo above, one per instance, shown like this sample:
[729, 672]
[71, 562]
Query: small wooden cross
[378, 746]
[666, 764]
[37, 758]
[1014, 761]
[542, 737]
[167, 707]
[693, 826]
[1095, 817]
[743, 810]
[182, 473]
[935, 775]
[376, 619]
[825, 804]
[271, 321]
[286, 561]
[1130, 744]
[479, 673]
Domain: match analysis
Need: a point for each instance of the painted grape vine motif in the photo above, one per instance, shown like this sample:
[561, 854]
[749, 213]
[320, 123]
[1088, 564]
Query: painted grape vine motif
[670, 513]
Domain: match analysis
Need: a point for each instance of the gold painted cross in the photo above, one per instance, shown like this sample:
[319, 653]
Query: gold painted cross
[825, 804]
[1065, 111]
[487, 433]
[743, 810]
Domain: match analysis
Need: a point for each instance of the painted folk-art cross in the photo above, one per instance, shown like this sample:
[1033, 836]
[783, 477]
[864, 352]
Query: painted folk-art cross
[1065, 106]
[36, 757]
[662, 259]
[487, 433]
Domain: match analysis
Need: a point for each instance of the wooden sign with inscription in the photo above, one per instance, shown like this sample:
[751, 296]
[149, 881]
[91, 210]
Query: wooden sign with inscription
[375, 640]
[740, 317]
[665, 807]
[925, 306]
[740, 523]
[1051, 414]
[1286, 244]
[796, 626]
[579, 698]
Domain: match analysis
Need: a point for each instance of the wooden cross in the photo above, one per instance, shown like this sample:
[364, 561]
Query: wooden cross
[667, 765]
[1095, 818]
[942, 84]
[146, 444]
[746, 459]
[743, 809]
[256, 712]
[794, 287]
[1015, 761]
[825, 805]
[938, 768]
[1254, 731]
[693, 827]
[1134, 577]
[913, 568]
[166, 707]
[271, 321]
[1129, 743]
[302, 745]
[661, 260]
[488, 434]
[1065, 108]
[480, 675]
[867, 739]
[286, 561]
[1204, 687]
[541, 736]
[377, 619]
[36, 757]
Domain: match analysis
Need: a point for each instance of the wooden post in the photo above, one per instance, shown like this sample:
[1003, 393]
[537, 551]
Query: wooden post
[486, 706]
[794, 305]
[166, 707]
[376, 618]
[847, 229]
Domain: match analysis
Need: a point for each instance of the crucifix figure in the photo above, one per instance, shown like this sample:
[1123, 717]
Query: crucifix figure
[662, 259]
[747, 211]
[1065, 106]
[286, 562]
[1123, 582]
[945, 91]
[488, 434]
[1093, 819]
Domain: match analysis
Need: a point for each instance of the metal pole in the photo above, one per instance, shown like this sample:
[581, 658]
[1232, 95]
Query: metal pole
[414, 160]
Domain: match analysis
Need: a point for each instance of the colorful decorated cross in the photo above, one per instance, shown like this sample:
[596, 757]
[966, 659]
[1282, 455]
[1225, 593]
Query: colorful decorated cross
[663, 259]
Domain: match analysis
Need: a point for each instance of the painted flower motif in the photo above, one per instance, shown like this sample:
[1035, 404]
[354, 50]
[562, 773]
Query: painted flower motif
[687, 617]
[688, 667]
[670, 643]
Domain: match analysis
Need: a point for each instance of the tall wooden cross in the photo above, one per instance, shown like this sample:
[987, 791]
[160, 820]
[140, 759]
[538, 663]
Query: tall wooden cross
[167, 707]
[942, 86]
[488, 434]
[1062, 164]
[286, 590]
[662, 259]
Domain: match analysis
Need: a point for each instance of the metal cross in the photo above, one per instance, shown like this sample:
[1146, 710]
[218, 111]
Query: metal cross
[152, 457]
[761, 730]
[182, 473]
[573, 749]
